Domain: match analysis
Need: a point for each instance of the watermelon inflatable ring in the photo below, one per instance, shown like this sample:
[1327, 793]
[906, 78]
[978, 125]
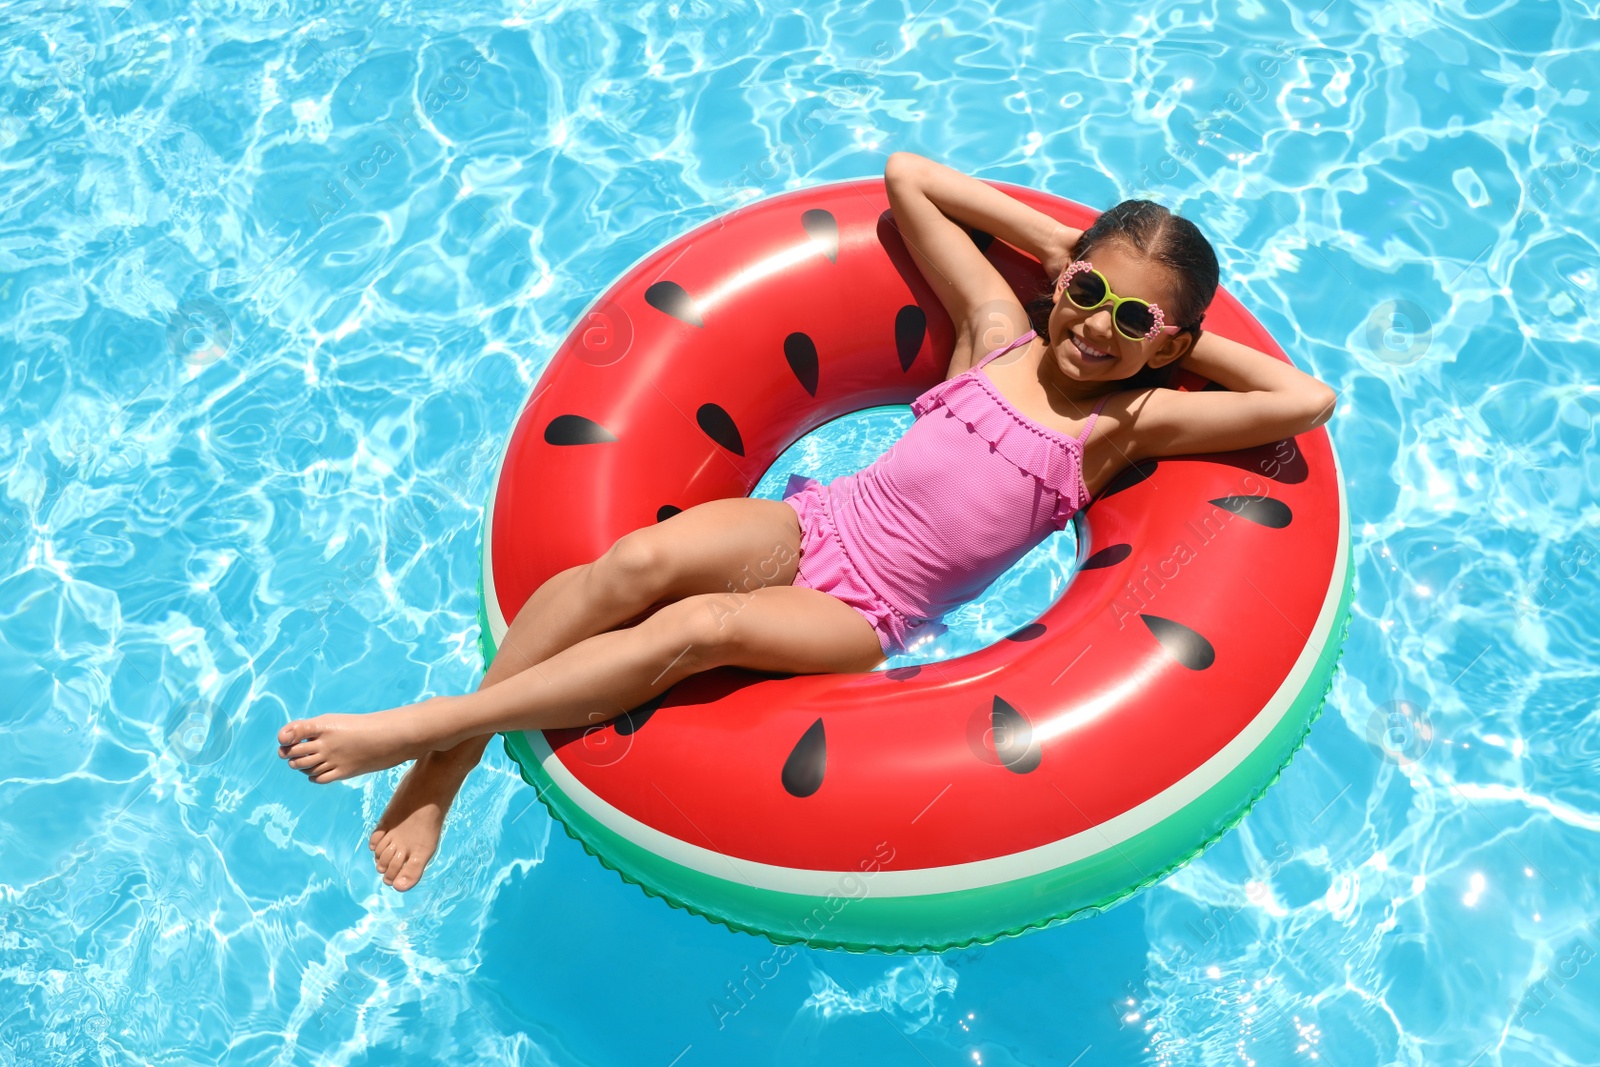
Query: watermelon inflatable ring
[1043, 778]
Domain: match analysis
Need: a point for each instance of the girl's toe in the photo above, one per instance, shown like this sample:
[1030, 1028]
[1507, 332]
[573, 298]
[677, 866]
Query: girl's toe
[293, 732]
[408, 874]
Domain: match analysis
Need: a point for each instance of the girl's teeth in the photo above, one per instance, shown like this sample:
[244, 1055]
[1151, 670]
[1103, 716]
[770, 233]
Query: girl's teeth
[1090, 352]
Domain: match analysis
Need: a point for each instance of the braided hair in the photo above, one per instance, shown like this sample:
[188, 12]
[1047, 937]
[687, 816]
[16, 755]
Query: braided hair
[1171, 240]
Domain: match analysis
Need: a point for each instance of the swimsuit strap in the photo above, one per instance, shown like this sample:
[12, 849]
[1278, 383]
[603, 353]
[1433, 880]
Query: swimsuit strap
[1006, 348]
[1095, 414]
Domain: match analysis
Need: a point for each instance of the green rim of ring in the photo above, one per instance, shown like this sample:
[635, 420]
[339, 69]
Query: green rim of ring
[867, 924]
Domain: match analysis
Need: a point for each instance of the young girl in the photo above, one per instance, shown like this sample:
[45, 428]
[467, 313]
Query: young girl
[1052, 411]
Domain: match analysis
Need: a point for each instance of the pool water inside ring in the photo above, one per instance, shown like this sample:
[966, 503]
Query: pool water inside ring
[1014, 599]
[278, 277]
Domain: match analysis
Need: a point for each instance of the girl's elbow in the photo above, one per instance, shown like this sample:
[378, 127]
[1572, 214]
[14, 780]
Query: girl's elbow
[1320, 406]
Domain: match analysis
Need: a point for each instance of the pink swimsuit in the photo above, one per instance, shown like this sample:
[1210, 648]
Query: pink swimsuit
[944, 512]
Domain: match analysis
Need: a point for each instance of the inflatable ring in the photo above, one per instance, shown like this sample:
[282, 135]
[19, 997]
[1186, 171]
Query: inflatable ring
[1045, 777]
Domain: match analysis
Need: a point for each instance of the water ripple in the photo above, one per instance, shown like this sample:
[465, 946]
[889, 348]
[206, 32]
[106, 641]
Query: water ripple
[276, 277]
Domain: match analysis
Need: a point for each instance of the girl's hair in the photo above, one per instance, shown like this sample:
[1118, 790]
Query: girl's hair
[1153, 231]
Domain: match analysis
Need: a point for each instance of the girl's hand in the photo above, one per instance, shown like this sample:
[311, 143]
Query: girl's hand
[1058, 251]
[974, 204]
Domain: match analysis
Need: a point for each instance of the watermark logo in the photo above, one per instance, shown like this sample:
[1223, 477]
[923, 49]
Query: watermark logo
[1554, 978]
[344, 187]
[1399, 332]
[1001, 736]
[199, 332]
[604, 336]
[198, 732]
[849, 888]
[603, 744]
[1556, 577]
[856, 89]
[1400, 732]
[1258, 84]
[996, 324]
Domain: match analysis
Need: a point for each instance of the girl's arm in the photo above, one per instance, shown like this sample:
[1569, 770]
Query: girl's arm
[1267, 400]
[974, 203]
[929, 201]
[1241, 368]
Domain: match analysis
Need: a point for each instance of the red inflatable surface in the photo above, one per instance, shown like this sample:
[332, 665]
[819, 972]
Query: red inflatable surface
[1202, 580]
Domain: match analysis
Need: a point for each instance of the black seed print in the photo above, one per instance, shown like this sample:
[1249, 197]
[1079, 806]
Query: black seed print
[1185, 645]
[1286, 463]
[801, 352]
[719, 426]
[576, 430]
[1130, 477]
[1213, 387]
[1013, 738]
[675, 301]
[823, 228]
[632, 722]
[1282, 461]
[1261, 510]
[803, 770]
[901, 674]
[982, 240]
[1027, 633]
[910, 327]
[666, 511]
[1109, 556]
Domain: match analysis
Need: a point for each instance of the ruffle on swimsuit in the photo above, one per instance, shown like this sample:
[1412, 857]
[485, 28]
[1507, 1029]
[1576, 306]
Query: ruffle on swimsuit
[1055, 460]
[826, 564]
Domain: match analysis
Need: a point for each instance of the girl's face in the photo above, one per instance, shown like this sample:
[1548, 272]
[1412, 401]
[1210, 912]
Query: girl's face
[1090, 346]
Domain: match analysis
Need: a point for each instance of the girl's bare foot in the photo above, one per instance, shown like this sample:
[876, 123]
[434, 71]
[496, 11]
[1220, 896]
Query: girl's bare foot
[408, 833]
[329, 748]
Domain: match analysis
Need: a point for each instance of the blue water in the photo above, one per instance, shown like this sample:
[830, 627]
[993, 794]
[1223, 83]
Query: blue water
[275, 279]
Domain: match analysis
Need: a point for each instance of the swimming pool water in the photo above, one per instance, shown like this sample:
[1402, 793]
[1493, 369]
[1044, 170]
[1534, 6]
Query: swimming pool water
[277, 277]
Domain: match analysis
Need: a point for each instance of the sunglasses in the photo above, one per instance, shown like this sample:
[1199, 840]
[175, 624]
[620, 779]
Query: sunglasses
[1135, 319]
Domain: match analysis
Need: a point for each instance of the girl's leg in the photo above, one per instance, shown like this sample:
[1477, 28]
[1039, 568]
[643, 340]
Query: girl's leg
[734, 542]
[776, 628]
[407, 834]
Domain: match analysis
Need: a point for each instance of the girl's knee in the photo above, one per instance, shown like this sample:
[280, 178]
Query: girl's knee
[705, 624]
[634, 567]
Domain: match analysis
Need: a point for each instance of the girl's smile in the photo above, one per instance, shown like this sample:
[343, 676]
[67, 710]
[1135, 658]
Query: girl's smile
[1090, 353]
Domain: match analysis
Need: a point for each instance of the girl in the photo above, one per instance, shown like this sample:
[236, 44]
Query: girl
[1066, 394]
